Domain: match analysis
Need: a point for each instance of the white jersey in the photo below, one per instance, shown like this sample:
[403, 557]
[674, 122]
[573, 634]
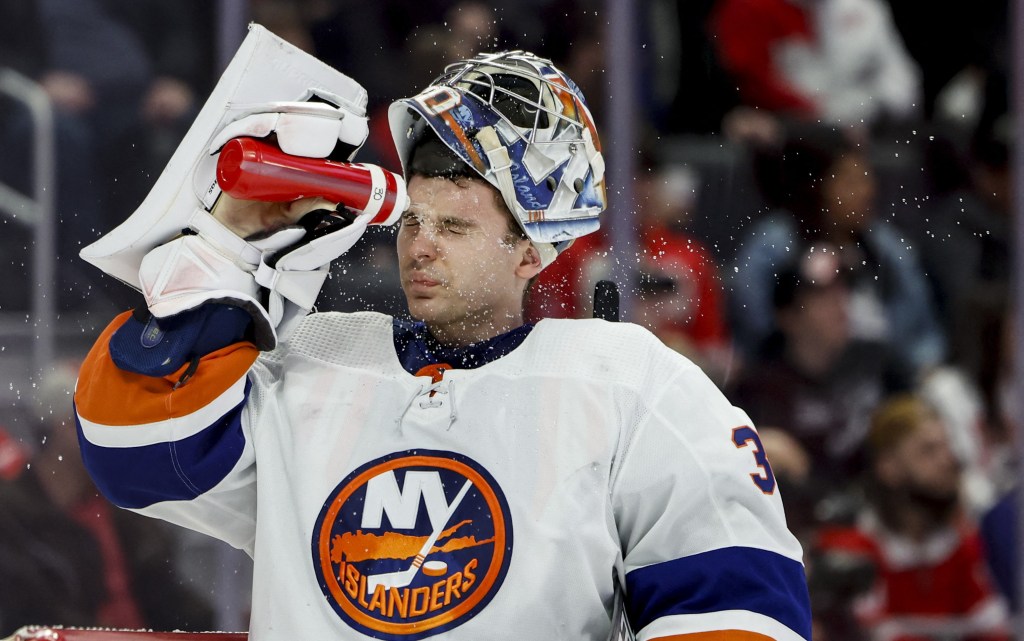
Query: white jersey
[494, 503]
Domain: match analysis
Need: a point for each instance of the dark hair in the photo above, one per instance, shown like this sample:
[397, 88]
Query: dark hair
[431, 158]
[790, 176]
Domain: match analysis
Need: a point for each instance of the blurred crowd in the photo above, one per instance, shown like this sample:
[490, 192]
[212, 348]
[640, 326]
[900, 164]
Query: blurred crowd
[823, 218]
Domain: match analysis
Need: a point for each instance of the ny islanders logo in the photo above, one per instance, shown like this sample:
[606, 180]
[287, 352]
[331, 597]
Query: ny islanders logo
[413, 544]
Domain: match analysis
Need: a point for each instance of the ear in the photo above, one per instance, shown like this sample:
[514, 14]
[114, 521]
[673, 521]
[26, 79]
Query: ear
[529, 261]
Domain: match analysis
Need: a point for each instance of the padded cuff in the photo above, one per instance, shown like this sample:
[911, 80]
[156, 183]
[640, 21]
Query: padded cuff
[158, 347]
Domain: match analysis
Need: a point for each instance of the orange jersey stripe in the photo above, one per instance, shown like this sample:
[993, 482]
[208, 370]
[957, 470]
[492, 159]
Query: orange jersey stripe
[111, 396]
[717, 635]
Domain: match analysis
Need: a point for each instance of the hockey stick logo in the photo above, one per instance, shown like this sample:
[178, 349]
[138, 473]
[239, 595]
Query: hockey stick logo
[413, 544]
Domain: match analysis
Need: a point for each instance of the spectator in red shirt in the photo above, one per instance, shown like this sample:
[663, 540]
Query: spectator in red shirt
[931, 577]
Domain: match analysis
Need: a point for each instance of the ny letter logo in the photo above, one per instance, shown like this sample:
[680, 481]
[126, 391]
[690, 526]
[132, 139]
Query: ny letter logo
[402, 505]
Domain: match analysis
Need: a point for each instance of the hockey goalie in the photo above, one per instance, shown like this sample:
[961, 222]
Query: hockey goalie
[455, 473]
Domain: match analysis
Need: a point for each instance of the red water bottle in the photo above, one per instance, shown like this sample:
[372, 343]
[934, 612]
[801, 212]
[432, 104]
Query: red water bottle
[250, 169]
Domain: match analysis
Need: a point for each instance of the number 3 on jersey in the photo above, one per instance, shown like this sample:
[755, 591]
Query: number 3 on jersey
[765, 479]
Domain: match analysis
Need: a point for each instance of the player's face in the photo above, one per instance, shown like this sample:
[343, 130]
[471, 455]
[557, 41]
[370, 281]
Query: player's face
[461, 271]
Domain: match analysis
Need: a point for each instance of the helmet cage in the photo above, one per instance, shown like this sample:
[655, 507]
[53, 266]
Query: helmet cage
[472, 80]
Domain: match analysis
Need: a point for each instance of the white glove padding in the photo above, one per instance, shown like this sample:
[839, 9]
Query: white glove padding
[210, 265]
[294, 275]
[214, 265]
[308, 129]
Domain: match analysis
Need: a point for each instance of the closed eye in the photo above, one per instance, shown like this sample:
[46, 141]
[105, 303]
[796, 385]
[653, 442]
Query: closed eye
[456, 226]
[447, 225]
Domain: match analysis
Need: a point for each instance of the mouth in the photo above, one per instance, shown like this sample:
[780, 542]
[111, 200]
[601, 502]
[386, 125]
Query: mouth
[422, 282]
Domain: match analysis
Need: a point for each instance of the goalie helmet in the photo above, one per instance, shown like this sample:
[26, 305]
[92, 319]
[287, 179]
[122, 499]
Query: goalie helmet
[524, 126]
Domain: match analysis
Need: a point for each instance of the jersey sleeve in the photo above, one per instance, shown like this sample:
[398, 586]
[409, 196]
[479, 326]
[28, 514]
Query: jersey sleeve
[706, 551]
[179, 451]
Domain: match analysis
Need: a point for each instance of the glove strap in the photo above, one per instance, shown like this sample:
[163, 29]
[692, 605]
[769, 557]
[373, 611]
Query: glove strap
[300, 287]
[225, 241]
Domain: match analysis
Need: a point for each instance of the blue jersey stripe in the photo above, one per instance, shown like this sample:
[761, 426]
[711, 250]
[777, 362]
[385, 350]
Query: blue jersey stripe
[136, 477]
[733, 578]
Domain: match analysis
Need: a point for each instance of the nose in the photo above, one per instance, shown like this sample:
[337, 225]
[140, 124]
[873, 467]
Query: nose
[421, 242]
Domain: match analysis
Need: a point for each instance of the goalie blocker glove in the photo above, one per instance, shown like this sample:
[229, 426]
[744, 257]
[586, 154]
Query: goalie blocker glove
[208, 288]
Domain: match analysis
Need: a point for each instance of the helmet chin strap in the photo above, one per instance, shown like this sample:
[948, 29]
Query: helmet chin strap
[501, 168]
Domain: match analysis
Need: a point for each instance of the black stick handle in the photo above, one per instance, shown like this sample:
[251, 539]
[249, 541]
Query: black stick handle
[606, 301]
